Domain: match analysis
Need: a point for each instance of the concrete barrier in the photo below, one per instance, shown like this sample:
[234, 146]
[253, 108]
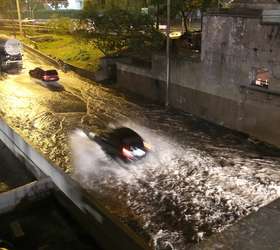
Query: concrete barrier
[105, 228]
[244, 108]
[31, 192]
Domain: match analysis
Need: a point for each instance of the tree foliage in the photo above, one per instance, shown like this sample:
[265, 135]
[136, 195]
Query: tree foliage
[55, 3]
[118, 29]
[120, 24]
[61, 25]
[183, 8]
[112, 4]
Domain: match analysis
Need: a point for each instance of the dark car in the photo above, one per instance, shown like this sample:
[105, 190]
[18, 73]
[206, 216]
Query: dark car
[122, 143]
[44, 75]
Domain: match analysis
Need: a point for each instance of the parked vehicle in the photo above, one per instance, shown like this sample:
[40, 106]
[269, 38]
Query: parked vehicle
[122, 143]
[10, 54]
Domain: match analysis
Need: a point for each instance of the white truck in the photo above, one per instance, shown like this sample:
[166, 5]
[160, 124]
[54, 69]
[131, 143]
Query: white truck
[10, 54]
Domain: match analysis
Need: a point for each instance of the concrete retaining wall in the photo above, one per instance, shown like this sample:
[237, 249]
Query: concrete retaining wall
[140, 81]
[31, 192]
[217, 87]
[252, 111]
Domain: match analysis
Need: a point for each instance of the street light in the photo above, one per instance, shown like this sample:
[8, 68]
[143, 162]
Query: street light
[19, 18]
[167, 54]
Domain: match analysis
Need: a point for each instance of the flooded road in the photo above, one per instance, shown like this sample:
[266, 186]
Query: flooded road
[198, 180]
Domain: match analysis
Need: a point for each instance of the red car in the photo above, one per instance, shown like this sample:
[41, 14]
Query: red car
[44, 75]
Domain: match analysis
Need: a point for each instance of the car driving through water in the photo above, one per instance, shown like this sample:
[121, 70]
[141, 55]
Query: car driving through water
[122, 143]
[47, 78]
[44, 75]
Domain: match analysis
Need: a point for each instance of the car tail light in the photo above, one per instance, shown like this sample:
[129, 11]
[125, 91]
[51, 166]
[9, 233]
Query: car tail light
[50, 78]
[46, 77]
[127, 153]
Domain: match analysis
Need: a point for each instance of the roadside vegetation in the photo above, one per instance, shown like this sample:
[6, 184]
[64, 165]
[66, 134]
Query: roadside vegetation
[66, 47]
[80, 53]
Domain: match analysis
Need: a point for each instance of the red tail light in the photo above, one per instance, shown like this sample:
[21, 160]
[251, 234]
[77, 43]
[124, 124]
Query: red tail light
[127, 153]
[50, 78]
[46, 77]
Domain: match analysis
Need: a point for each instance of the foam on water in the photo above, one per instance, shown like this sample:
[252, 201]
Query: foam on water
[180, 193]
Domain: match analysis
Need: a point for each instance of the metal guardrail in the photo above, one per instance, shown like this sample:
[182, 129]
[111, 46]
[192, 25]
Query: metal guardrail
[13, 24]
[26, 28]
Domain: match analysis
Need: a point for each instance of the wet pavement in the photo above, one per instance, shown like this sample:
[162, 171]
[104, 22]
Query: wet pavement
[198, 180]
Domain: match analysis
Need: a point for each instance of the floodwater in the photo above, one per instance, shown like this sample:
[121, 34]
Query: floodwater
[198, 179]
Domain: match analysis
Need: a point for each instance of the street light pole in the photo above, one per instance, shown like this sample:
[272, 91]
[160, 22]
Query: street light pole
[19, 18]
[167, 54]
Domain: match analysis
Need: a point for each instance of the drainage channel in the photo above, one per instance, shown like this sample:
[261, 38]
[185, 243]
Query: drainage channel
[43, 208]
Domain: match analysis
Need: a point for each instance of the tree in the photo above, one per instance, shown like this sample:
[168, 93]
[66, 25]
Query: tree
[184, 8]
[119, 29]
[33, 5]
[6, 6]
[30, 5]
[102, 5]
[55, 3]
[159, 6]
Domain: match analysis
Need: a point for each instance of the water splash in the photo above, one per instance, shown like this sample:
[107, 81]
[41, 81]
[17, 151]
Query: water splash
[180, 195]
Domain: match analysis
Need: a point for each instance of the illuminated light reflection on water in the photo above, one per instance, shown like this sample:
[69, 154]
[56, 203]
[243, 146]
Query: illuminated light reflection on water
[199, 179]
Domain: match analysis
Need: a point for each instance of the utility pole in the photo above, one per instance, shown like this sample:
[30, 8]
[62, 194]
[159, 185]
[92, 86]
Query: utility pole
[167, 54]
[19, 18]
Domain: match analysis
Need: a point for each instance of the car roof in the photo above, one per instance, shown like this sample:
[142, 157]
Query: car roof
[124, 135]
[51, 71]
[124, 132]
